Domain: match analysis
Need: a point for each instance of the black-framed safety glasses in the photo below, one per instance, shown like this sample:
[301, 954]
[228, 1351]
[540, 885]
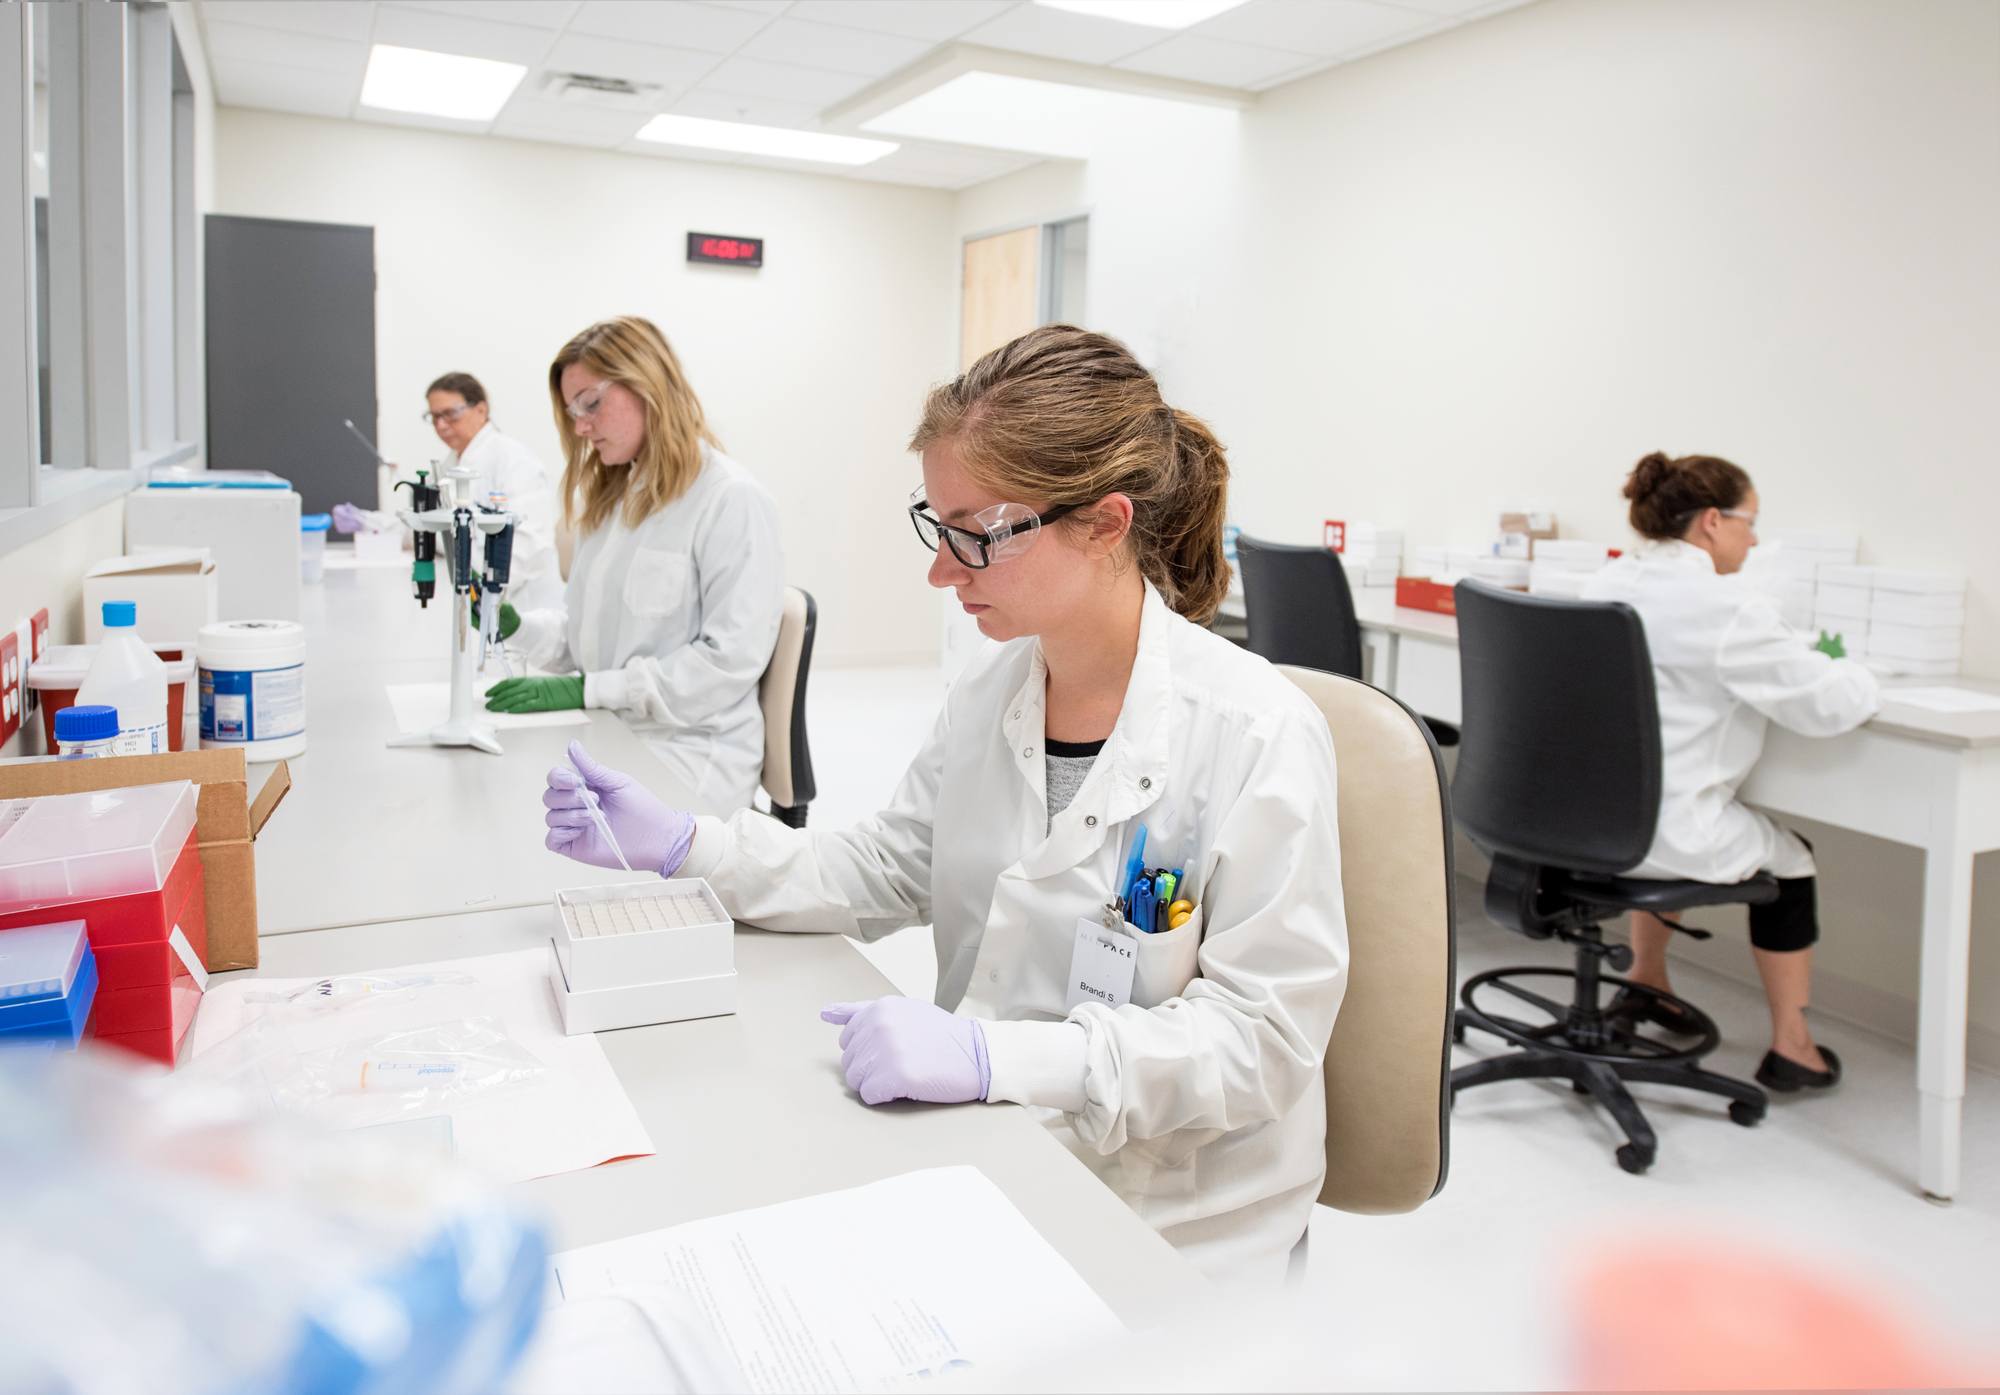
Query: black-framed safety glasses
[1004, 531]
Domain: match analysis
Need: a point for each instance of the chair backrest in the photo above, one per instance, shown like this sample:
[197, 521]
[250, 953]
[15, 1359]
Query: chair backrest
[788, 771]
[1559, 750]
[1388, 1089]
[1298, 606]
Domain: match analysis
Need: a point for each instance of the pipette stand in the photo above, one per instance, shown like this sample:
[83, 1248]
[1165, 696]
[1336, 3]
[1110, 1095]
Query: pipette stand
[458, 526]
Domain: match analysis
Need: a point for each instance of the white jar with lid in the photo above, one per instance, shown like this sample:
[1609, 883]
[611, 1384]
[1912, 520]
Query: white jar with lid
[253, 687]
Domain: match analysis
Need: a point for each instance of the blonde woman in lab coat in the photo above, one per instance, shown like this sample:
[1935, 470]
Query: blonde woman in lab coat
[677, 582]
[1078, 518]
[1725, 664]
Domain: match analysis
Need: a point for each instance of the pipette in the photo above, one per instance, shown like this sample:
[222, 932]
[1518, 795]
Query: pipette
[368, 444]
[597, 816]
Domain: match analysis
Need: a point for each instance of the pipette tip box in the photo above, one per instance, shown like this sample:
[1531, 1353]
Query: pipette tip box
[48, 982]
[635, 953]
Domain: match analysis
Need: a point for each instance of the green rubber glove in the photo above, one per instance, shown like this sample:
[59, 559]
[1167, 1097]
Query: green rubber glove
[510, 618]
[535, 694]
[1831, 646]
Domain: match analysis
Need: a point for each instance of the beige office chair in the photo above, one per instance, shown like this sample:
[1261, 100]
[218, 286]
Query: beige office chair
[1388, 1090]
[788, 769]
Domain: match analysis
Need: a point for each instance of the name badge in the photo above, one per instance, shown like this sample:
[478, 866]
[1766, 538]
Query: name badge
[1100, 967]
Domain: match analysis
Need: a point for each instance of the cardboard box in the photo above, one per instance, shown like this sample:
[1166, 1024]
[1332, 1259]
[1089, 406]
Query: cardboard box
[1520, 529]
[227, 821]
[175, 590]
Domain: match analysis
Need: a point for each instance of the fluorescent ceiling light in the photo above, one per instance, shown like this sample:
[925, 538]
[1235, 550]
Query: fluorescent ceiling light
[1033, 116]
[1155, 14]
[437, 84]
[778, 141]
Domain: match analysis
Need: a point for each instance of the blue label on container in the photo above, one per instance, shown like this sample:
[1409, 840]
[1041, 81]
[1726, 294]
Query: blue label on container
[253, 704]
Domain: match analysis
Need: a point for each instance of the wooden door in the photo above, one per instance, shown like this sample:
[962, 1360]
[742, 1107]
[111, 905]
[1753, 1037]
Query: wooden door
[999, 297]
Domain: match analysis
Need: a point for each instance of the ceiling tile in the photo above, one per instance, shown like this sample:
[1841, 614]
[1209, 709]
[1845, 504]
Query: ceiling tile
[330, 19]
[758, 111]
[683, 24]
[429, 123]
[571, 123]
[752, 77]
[839, 50]
[661, 150]
[1325, 27]
[275, 88]
[1198, 58]
[666, 67]
[1062, 34]
[540, 14]
[247, 44]
[936, 20]
[472, 38]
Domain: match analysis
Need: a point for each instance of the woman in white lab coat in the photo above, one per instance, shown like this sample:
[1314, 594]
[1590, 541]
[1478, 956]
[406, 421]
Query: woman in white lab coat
[509, 476]
[1724, 664]
[1078, 518]
[677, 583]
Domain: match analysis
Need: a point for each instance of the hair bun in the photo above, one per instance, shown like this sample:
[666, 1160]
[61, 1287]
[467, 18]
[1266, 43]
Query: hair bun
[1648, 476]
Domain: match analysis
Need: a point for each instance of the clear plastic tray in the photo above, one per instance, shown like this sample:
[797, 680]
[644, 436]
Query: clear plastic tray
[78, 847]
[642, 932]
[39, 961]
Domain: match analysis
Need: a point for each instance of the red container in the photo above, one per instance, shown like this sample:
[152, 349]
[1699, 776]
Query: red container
[1421, 593]
[54, 700]
[146, 995]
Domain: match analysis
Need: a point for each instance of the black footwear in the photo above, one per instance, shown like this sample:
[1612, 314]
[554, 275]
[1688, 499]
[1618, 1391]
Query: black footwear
[1786, 1076]
[1644, 1007]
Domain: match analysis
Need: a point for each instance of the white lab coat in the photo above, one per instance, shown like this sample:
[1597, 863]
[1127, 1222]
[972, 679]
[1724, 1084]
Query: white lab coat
[673, 623]
[1725, 663]
[505, 466]
[1200, 1102]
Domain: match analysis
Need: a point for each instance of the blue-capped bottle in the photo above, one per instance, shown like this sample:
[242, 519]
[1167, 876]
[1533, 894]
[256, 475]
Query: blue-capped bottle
[128, 675]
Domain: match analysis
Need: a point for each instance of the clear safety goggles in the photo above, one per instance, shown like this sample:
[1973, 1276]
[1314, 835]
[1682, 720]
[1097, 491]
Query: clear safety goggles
[1003, 531]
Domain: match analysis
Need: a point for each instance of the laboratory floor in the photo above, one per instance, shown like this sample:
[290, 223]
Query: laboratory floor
[1472, 1291]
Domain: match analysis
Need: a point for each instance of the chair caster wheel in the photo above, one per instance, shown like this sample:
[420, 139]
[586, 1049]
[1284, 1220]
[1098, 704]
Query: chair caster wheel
[1745, 1114]
[1633, 1160]
[1458, 1032]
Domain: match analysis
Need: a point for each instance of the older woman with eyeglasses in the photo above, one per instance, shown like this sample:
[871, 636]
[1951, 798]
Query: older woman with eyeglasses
[1725, 664]
[677, 583]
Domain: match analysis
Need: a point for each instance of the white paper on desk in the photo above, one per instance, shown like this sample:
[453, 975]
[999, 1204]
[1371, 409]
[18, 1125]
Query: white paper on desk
[421, 706]
[1944, 699]
[575, 1116]
[882, 1287]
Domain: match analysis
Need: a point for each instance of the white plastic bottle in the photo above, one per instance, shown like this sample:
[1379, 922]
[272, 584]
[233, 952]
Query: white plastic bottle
[130, 677]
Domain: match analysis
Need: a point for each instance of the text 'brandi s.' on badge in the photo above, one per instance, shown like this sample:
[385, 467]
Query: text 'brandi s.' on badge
[1100, 967]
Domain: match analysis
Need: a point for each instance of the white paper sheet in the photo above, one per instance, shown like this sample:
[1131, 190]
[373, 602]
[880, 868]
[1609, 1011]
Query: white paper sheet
[573, 1116]
[884, 1287]
[1944, 699]
[421, 706]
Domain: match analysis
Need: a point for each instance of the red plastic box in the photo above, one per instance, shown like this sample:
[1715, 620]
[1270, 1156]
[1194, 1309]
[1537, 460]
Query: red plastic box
[147, 994]
[1421, 593]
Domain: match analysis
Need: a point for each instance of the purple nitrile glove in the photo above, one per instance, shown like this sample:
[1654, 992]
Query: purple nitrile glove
[349, 519]
[906, 1049]
[653, 835]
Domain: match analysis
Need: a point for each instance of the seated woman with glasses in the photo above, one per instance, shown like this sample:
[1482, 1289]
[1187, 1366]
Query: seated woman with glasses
[510, 477]
[677, 584]
[1122, 828]
[1724, 664]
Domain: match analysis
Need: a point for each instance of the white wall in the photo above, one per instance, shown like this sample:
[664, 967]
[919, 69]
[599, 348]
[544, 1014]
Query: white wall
[491, 253]
[1501, 264]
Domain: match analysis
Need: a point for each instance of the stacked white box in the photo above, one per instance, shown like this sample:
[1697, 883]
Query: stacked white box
[1372, 555]
[1509, 572]
[1561, 566]
[636, 953]
[1789, 566]
[1907, 621]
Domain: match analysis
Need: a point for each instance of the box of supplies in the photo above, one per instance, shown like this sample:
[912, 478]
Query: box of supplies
[1931, 612]
[48, 981]
[1909, 642]
[127, 864]
[642, 932]
[253, 534]
[227, 821]
[174, 592]
[1421, 593]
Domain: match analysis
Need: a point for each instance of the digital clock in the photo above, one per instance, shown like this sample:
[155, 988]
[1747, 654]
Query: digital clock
[725, 251]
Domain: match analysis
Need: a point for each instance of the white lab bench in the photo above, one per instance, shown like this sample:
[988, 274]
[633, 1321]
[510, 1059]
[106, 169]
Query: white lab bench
[385, 856]
[1930, 780]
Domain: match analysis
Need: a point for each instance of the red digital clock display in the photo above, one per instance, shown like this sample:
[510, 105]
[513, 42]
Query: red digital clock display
[725, 251]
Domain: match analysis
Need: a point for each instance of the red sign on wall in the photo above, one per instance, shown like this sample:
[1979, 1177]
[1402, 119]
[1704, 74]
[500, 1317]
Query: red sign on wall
[725, 251]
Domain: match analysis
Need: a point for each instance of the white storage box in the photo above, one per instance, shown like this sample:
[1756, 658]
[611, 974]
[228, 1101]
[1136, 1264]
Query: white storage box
[1930, 612]
[1841, 600]
[79, 847]
[648, 932]
[639, 1004]
[1907, 642]
[251, 526]
[174, 590]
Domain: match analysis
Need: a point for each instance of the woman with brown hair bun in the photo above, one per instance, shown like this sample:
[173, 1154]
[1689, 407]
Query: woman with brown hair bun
[1170, 1025]
[1725, 663]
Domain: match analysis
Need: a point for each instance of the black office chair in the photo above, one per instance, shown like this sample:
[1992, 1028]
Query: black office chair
[1559, 779]
[1301, 612]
